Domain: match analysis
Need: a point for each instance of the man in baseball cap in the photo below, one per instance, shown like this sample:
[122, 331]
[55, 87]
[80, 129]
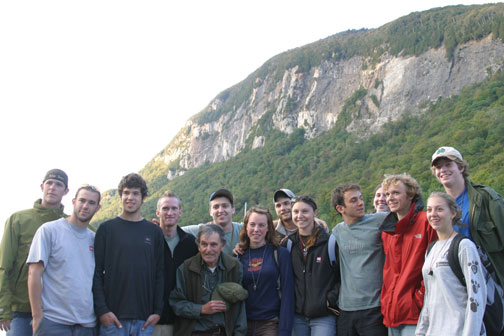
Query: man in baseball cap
[15, 311]
[282, 201]
[481, 206]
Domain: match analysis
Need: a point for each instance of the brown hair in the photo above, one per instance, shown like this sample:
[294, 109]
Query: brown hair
[271, 236]
[338, 194]
[133, 180]
[312, 239]
[169, 194]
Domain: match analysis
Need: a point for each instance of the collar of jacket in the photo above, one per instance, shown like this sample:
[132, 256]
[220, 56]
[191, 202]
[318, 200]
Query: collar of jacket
[391, 224]
[225, 262]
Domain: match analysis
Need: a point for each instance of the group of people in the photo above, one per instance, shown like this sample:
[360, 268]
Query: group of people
[382, 273]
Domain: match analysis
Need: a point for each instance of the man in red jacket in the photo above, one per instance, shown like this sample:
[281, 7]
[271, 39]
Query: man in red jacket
[406, 234]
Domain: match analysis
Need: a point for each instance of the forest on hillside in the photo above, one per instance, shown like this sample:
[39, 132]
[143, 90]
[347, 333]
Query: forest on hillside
[472, 122]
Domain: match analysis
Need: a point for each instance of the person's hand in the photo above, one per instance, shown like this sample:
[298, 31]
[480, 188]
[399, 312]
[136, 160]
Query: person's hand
[237, 249]
[109, 319]
[5, 325]
[151, 320]
[322, 223]
[35, 323]
[156, 221]
[213, 307]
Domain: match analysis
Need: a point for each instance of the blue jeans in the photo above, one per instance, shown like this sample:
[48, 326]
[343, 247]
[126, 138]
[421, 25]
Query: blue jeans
[402, 330]
[129, 328]
[304, 326]
[20, 324]
[51, 328]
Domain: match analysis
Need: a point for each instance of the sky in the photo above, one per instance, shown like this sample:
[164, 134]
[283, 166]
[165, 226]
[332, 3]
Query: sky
[98, 88]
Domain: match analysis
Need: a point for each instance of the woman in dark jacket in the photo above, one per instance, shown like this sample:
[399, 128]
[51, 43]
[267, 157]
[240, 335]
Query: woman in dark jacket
[316, 281]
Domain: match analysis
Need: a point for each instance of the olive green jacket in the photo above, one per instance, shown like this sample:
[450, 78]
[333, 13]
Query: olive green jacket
[17, 237]
[486, 218]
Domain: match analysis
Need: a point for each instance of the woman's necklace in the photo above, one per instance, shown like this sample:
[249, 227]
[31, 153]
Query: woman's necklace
[437, 255]
[252, 268]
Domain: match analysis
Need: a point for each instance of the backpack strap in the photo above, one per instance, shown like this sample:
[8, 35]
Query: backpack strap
[429, 248]
[453, 259]
[331, 249]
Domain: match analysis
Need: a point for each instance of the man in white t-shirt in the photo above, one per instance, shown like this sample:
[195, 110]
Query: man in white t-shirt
[61, 267]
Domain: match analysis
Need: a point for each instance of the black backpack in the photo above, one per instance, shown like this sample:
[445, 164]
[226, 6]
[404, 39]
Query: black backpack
[494, 310]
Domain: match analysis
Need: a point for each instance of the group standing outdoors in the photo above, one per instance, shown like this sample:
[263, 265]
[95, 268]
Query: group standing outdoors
[404, 269]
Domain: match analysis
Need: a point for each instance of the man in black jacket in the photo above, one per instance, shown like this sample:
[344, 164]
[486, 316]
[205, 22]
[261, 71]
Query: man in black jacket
[179, 246]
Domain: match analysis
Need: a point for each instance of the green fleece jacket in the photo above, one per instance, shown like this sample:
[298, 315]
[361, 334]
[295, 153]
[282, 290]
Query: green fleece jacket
[486, 218]
[17, 237]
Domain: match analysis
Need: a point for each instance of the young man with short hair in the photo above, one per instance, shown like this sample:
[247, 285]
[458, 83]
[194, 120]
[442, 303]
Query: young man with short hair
[221, 204]
[61, 267]
[406, 235]
[202, 306]
[128, 280]
[282, 200]
[361, 264]
[15, 311]
[481, 206]
[179, 246]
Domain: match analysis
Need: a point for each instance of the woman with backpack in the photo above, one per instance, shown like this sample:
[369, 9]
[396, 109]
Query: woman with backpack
[316, 280]
[451, 308]
[267, 276]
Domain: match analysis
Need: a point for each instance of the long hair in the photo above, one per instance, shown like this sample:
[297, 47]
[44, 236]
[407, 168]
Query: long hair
[271, 236]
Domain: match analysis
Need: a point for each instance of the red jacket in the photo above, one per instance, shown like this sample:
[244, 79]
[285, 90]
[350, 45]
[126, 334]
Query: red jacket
[404, 243]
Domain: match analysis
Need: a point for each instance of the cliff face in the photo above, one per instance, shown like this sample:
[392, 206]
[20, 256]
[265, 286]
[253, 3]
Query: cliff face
[313, 100]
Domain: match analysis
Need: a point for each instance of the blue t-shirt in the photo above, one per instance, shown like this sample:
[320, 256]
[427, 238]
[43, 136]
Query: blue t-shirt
[463, 205]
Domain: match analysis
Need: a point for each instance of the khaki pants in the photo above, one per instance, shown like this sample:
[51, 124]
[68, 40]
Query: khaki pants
[163, 330]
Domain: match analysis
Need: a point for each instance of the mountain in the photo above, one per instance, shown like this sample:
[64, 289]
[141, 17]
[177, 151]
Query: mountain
[316, 115]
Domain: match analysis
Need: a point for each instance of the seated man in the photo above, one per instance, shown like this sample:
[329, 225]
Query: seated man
[194, 298]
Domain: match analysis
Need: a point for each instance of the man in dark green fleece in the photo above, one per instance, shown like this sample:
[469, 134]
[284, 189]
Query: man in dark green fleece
[15, 312]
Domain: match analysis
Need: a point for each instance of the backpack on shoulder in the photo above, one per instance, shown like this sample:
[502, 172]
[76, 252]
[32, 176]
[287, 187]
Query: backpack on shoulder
[494, 310]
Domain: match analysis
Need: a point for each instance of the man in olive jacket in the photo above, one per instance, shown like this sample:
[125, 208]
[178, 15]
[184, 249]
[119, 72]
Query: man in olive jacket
[482, 207]
[15, 311]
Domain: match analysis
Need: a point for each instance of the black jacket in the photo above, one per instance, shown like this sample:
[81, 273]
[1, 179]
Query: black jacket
[316, 282]
[185, 249]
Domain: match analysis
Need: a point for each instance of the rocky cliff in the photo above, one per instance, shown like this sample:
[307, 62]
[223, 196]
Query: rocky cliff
[383, 84]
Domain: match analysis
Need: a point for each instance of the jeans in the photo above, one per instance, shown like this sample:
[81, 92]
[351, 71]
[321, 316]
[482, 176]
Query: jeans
[129, 328]
[51, 328]
[20, 325]
[304, 326]
[403, 330]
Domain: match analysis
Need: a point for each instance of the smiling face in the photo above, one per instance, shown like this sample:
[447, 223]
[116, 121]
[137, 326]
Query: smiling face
[398, 199]
[439, 214]
[380, 201]
[132, 200]
[257, 228]
[283, 209]
[303, 216]
[210, 246]
[52, 193]
[168, 212]
[448, 173]
[86, 204]
[222, 212]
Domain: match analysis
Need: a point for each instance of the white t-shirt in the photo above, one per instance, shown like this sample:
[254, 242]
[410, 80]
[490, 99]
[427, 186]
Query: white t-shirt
[67, 252]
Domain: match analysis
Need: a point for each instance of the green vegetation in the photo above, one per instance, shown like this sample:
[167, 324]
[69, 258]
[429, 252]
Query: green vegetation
[473, 122]
[410, 35]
